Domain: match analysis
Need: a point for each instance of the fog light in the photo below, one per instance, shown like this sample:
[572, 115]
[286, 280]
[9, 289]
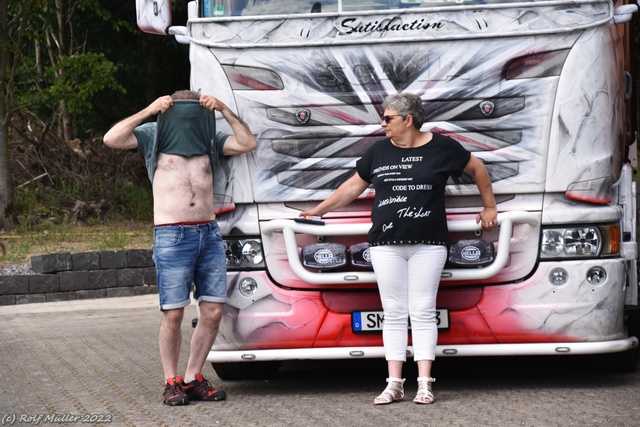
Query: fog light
[558, 276]
[324, 256]
[596, 276]
[360, 255]
[248, 287]
[471, 253]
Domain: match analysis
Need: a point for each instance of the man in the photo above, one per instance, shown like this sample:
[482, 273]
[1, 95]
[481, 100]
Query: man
[181, 151]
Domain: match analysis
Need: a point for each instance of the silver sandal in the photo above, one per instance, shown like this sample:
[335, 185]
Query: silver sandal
[425, 394]
[393, 392]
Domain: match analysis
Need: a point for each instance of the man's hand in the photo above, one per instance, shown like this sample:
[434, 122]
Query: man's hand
[211, 103]
[160, 105]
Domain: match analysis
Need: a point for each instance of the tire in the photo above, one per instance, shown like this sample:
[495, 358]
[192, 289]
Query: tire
[246, 370]
[627, 361]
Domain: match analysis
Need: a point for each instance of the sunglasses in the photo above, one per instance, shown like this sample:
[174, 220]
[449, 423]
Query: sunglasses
[387, 119]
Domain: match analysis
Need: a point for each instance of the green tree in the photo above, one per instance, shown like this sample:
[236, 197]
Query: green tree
[45, 72]
[68, 70]
[58, 75]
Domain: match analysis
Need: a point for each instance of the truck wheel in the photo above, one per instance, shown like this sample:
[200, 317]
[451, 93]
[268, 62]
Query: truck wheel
[246, 370]
[627, 361]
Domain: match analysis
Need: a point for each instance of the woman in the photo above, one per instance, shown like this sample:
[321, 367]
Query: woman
[409, 237]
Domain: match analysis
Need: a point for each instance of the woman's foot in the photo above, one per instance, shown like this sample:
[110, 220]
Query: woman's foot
[393, 392]
[425, 394]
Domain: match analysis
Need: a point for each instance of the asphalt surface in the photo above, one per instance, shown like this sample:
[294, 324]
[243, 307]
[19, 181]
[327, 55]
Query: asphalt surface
[97, 362]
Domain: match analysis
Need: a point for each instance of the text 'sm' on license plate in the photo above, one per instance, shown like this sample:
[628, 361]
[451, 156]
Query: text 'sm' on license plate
[371, 321]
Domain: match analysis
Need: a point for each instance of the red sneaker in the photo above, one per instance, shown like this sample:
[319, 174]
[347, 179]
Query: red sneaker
[173, 394]
[201, 389]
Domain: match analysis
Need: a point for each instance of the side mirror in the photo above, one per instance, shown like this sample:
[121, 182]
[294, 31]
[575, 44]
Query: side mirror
[153, 16]
[624, 13]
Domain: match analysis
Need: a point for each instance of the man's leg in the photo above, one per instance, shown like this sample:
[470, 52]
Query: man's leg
[203, 336]
[211, 292]
[195, 385]
[173, 252]
[171, 340]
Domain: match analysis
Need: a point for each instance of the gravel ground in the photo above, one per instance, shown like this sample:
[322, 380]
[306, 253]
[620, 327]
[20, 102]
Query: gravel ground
[97, 363]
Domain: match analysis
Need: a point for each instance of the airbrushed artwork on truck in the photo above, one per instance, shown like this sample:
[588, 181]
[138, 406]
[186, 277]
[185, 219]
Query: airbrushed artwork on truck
[316, 109]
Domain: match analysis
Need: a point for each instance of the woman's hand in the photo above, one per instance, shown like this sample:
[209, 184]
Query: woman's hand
[311, 212]
[488, 218]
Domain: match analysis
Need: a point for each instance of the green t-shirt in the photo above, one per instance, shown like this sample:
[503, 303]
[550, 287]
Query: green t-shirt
[186, 129]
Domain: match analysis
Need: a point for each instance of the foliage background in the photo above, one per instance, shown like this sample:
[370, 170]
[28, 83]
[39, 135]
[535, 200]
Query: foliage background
[66, 94]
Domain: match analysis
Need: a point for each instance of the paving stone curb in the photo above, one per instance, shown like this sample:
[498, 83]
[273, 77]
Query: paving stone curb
[66, 276]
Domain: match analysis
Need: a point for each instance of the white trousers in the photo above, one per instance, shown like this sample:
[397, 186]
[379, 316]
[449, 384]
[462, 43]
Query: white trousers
[408, 277]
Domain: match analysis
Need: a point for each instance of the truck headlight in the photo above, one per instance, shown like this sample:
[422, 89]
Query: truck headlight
[243, 254]
[580, 241]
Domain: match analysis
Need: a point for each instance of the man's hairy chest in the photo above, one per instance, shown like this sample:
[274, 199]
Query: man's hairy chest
[180, 164]
[179, 170]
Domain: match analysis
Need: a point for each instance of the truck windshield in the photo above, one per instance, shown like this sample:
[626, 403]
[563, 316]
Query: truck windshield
[221, 8]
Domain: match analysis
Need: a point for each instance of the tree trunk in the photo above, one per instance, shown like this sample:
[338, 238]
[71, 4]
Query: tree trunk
[67, 123]
[64, 46]
[5, 174]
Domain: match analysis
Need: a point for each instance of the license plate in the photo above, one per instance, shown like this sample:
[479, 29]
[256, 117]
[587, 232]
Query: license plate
[371, 321]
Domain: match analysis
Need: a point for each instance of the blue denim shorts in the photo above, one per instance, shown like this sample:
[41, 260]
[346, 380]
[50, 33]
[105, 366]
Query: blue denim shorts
[186, 255]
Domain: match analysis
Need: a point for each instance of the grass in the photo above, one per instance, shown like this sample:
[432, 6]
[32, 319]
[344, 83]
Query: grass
[19, 246]
[45, 214]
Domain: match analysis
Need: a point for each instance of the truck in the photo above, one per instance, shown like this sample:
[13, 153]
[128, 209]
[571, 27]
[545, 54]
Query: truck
[543, 92]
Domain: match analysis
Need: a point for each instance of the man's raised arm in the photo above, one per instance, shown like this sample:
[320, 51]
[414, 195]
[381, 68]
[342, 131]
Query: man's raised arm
[121, 134]
[242, 140]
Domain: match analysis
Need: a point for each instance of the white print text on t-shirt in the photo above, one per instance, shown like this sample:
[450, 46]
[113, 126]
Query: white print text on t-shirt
[413, 212]
[394, 199]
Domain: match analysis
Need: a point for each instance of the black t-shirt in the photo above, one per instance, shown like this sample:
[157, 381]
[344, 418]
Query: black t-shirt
[409, 189]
